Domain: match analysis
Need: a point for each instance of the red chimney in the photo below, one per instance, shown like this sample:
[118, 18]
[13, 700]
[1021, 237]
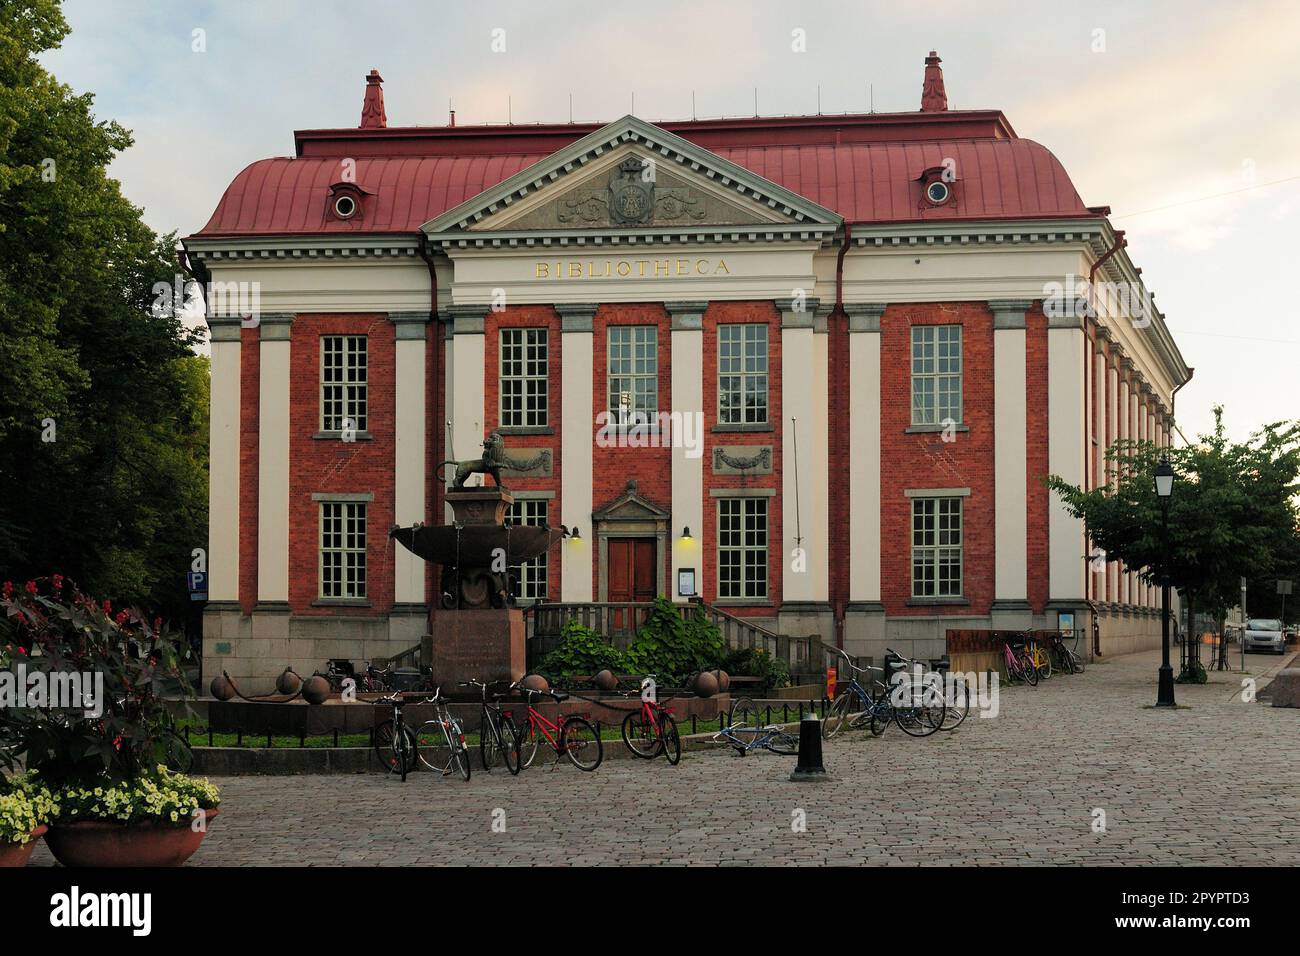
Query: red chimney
[372, 107]
[933, 97]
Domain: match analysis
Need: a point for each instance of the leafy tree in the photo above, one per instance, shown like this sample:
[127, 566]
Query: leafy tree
[103, 405]
[1233, 512]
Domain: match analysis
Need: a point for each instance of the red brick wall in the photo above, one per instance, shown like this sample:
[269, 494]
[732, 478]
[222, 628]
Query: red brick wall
[250, 366]
[526, 446]
[330, 465]
[1036, 454]
[612, 468]
[926, 461]
[727, 313]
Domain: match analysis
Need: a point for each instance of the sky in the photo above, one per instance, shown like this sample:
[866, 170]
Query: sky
[1180, 116]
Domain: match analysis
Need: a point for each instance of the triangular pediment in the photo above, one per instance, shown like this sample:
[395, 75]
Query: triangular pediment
[630, 506]
[632, 176]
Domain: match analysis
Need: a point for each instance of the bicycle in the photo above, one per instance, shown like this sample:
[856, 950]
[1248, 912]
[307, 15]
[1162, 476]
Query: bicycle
[1038, 658]
[650, 730]
[497, 735]
[443, 730]
[1066, 659]
[745, 732]
[574, 736]
[1018, 666]
[395, 743]
[956, 694]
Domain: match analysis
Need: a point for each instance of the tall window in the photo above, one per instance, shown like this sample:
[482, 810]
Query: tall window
[530, 577]
[633, 373]
[343, 382]
[742, 548]
[342, 549]
[936, 547]
[523, 378]
[742, 374]
[936, 374]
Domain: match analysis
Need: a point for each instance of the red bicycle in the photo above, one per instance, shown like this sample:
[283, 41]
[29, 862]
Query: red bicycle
[574, 736]
[651, 730]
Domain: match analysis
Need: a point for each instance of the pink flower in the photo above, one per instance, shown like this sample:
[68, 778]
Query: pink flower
[121, 617]
[31, 587]
[9, 589]
[56, 582]
[108, 607]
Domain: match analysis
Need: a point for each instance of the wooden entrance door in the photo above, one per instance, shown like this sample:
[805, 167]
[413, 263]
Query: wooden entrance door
[631, 579]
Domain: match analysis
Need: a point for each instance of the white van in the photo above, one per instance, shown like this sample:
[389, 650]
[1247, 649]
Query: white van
[1264, 633]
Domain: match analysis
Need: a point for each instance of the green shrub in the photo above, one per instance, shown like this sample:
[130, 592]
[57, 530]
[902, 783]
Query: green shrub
[757, 662]
[674, 647]
[582, 651]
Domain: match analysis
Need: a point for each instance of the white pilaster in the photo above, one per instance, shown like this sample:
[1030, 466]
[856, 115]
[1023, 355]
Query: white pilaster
[804, 457]
[223, 463]
[864, 452]
[687, 457]
[409, 424]
[273, 460]
[467, 358]
[576, 384]
[1010, 451]
[1065, 429]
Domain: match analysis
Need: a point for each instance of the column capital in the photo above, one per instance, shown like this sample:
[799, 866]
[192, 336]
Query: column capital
[224, 328]
[274, 326]
[410, 325]
[468, 319]
[577, 316]
[1009, 313]
[687, 316]
[798, 313]
[864, 316]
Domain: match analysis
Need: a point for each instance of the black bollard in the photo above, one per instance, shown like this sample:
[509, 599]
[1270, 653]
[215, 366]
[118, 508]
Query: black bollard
[810, 766]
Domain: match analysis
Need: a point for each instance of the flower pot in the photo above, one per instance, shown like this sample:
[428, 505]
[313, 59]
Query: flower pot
[102, 843]
[17, 854]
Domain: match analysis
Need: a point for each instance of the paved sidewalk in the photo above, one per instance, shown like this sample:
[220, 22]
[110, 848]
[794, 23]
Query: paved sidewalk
[1214, 783]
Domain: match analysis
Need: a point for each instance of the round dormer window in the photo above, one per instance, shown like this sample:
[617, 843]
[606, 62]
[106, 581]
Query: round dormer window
[938, 192]
[345, 207]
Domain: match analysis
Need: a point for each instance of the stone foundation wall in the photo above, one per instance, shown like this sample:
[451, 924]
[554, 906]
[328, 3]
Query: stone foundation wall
[254, 648]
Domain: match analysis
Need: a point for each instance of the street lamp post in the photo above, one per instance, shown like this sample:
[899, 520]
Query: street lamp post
[1164, 481]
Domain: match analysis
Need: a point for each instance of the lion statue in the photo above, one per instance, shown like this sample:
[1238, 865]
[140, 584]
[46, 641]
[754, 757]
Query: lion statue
[490, 464]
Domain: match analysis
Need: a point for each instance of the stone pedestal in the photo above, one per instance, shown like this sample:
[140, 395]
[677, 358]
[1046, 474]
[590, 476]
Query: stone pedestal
[485, 644]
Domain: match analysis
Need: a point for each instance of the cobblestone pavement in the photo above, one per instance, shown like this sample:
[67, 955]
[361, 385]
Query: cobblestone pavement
[1214, 782]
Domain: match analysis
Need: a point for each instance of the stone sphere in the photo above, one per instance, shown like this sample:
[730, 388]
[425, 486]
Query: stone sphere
[706, 685]
[724, 680]
[606, 681]
[316, 690]
[221, 688]
[536, 682]
[288, 682]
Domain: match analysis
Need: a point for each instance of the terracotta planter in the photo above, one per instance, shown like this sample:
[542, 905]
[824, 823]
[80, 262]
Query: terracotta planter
[103, 844]
[17, 854]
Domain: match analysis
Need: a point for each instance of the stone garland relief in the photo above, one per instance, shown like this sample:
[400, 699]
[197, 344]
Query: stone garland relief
[628, 199]
[742, 459]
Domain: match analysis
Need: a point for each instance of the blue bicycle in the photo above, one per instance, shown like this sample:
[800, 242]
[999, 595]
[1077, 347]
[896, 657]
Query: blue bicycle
[747, 732]
[917, 708]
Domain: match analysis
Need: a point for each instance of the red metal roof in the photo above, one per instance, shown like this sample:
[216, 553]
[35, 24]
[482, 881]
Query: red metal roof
[864, 181]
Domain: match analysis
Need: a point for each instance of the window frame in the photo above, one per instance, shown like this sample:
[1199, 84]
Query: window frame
[538, 566]
[348, 511]
[632, 377]
[930, 383]
[354, 408]
[750, 586]
[744, 376]
[528, 418]
[936, 550]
